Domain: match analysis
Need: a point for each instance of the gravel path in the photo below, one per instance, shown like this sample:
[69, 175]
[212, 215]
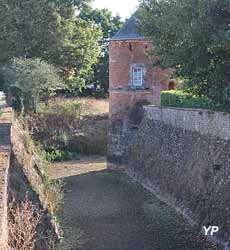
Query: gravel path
[106, 210]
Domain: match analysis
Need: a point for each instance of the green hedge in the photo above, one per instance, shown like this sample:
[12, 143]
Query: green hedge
[178, 98]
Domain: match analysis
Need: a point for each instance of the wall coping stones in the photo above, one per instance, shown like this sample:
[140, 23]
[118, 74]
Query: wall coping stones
[206, 122]
[6, 117]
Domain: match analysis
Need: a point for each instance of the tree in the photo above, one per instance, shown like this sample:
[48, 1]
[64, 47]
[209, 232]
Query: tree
[52, 31]
[193, 37]
[109, 25]
[78, 4]
[30, 81]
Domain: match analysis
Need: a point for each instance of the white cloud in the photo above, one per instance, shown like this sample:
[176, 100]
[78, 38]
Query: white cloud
[122, 7]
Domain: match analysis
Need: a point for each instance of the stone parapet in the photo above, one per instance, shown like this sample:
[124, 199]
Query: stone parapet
[205, 122]
[6, 115]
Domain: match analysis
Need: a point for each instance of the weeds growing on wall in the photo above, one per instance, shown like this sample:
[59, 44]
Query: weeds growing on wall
[23, 221]
[51, 195]
[26, 226]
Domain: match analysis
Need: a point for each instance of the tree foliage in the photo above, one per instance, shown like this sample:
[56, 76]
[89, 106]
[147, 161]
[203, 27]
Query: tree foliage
[78, 4]
[50, 30]
[109, 25]
[193, 36]
[30, 81]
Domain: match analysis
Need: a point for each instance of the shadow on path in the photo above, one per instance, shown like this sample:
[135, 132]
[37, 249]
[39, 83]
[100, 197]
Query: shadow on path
[106, 210]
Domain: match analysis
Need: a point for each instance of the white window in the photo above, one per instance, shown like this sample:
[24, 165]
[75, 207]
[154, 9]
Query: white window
[137, 76]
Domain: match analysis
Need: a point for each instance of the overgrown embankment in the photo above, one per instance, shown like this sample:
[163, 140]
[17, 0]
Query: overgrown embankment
[33, 198]
[63, 130]
[29, 201]
[29, 157]
[68, 128]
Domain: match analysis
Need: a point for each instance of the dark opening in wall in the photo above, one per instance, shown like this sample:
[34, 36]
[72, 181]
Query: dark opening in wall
[171, 85]
[130, 47]
[137, 113]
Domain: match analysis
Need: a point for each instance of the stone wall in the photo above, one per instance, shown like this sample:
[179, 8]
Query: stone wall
[25, 158]
[13, 147]
[183, 156]
[5, 153]
[14, 150]
[91, 135]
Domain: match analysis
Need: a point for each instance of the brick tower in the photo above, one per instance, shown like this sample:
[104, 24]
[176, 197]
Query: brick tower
[132, 80]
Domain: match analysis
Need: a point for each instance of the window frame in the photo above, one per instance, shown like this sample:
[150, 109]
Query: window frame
[137, 77]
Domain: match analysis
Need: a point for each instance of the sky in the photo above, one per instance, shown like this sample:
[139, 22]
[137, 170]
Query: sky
[122, 7]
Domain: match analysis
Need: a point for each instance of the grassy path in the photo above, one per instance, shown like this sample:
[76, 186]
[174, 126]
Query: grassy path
[105, 210]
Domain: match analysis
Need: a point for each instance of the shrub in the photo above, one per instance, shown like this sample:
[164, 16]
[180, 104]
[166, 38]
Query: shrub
[179, 98]
[56, 155]
[53, 127]
[30, 81]
[24, 218]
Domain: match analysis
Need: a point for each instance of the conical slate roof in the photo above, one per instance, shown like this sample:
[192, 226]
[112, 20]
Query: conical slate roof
[129, 31]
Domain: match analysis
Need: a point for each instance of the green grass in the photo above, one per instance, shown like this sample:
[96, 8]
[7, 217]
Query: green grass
[57, 155]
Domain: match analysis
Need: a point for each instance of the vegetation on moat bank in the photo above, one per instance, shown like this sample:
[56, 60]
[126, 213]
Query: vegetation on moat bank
[66, 128]
[30, 158]
[50, 134]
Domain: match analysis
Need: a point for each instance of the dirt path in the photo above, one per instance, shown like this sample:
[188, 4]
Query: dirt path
[105, 210]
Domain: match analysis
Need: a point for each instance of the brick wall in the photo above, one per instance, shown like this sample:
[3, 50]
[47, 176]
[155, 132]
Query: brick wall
[121, 101]
[123, 56]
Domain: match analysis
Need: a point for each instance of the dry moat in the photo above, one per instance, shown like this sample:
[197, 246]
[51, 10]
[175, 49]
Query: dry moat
[106, 210]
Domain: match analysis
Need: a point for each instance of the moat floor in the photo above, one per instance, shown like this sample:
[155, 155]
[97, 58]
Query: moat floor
[106, 210]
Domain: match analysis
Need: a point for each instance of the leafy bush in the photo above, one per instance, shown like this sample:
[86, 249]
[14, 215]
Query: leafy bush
[30, 81]
[61, 155]
[54, 155]
[53, 128]
[179, 98]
